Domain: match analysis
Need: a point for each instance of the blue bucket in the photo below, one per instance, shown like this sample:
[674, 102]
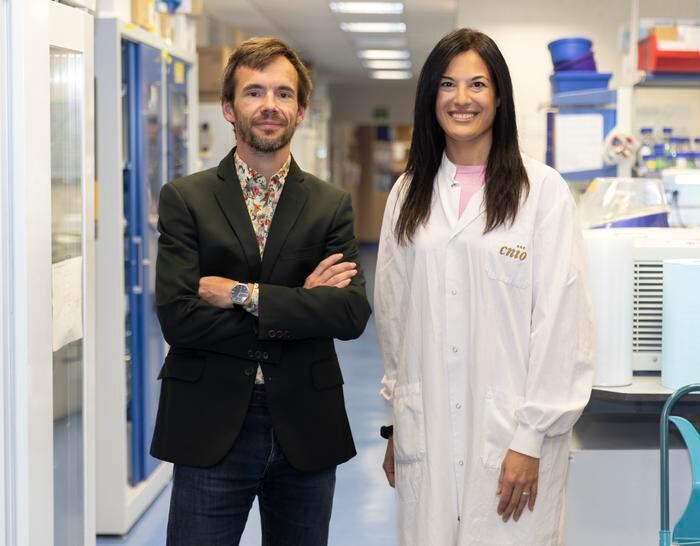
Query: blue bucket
[579, 80]
[567, 49]
[585, 63]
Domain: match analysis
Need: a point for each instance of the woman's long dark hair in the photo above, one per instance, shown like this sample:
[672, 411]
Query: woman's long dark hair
[506, 178]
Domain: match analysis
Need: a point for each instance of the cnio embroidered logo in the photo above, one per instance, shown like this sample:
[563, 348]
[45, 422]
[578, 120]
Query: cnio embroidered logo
[517, 253]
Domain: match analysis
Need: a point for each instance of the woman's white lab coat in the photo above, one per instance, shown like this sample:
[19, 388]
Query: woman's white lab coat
[487, 345]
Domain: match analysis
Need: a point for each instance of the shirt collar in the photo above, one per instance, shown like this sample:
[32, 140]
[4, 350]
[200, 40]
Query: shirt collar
[247, 174]
[450, 170]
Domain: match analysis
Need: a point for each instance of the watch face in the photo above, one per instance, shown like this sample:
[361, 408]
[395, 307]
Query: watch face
[239, 293]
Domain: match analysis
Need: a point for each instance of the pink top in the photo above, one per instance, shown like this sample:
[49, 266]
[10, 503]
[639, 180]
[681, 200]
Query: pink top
[471, 179]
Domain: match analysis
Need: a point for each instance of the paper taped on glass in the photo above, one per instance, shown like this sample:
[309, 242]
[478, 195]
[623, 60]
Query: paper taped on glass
[579, 142]
[67, 302]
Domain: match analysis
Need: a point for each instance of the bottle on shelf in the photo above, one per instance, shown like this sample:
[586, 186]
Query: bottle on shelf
[666, 140]
[660, 157]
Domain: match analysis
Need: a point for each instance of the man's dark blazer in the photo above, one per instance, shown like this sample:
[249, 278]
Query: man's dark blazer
[209, 372]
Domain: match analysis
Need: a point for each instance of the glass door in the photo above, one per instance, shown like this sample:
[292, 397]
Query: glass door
[178, 113]
[71, 129]
[143, 178]
[67, 99]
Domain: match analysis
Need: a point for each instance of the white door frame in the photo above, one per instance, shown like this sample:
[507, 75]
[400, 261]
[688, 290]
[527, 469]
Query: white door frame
[5, 414]
[31, 457]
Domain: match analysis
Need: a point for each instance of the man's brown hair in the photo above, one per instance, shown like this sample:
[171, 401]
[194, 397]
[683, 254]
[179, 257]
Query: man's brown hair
[257, 53]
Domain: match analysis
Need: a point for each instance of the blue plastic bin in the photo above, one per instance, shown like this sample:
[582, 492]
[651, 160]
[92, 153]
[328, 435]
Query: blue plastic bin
[567, 49]
[579, 80]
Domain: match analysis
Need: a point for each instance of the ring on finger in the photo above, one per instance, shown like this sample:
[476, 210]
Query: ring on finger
[525, 493]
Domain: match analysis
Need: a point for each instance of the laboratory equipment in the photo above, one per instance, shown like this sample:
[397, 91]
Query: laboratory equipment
[680, 362]
[627, 265]
[624, 202]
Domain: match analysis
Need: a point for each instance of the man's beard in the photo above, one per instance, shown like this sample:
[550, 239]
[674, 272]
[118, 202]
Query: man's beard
[244, 132]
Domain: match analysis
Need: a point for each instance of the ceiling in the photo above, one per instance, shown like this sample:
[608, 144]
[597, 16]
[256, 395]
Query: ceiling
[314, 30]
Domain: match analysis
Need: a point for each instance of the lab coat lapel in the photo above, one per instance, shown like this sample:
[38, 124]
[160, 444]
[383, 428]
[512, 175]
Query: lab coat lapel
[450, 207]
[291, 202]
[229, 196]
[475, 208]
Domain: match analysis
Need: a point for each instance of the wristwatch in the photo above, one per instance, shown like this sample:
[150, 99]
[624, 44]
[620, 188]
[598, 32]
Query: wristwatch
[239, 293]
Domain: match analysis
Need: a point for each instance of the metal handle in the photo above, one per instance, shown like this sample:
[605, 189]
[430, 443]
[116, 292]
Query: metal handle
[138, 243]
[665, 532]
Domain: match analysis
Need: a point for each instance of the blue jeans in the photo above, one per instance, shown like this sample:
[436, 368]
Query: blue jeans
[210, 506]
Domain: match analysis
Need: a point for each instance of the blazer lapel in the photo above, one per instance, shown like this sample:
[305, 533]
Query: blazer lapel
[229, 195]
[294, 195]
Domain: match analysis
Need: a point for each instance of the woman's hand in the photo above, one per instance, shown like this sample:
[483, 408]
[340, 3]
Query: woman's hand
[517, 484]
[388, 465]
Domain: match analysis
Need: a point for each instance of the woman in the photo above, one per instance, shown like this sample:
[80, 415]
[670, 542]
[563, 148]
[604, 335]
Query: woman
[483, 315]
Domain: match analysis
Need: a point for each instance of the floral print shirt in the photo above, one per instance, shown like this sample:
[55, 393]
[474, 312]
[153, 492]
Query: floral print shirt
[261, 198]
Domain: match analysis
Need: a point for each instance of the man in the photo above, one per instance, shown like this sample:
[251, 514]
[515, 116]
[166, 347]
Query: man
[256, 275]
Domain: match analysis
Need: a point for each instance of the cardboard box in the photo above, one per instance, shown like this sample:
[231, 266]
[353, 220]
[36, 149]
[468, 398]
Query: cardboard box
[193, 8]
[212, 62]
[143, 14]
[665, 32]
[166, 27]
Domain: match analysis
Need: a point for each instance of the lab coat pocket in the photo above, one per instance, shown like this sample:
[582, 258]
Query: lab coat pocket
[508, 261]
[499, 426]
[409, 431]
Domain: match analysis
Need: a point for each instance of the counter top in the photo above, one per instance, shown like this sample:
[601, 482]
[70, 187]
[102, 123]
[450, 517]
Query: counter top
[646, 394]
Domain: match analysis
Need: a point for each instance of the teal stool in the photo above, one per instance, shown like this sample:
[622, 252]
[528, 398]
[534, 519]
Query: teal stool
[687, 530]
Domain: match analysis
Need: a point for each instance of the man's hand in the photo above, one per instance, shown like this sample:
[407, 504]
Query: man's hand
[217, 291]
[517, 485]
[388, 465]
[331, 273]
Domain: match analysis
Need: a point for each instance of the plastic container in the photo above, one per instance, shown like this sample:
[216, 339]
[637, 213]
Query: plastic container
[577, 80]
[651, 59]
[567, 49]
[624, 202]
[585, 63]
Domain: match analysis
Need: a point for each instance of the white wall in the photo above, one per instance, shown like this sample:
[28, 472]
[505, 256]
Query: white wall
[523, 29]
[355, 102]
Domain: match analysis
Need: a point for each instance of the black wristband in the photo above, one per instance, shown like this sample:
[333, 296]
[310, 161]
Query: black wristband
[386, 432]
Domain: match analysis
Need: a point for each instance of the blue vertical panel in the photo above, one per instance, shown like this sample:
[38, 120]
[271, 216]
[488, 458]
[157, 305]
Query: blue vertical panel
[178, 111]
[143, 175]
[151, 123]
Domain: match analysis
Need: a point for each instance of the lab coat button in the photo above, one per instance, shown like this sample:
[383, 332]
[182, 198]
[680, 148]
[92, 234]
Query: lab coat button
[461, 463]
[454, 349]
[454, 292]
[458, 405]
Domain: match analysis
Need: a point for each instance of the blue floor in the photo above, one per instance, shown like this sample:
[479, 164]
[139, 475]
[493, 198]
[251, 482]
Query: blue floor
[364, 509]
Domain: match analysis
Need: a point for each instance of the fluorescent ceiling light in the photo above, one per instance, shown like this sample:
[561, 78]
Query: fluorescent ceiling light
[391, 75]
[381, 8]
[387, 64]
[384, 54]
[379, 42]
[377, 28]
